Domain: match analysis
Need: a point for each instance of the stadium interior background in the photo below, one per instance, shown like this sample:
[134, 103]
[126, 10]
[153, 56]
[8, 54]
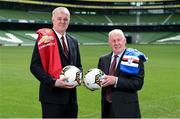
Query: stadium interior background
[151, 26]
[144, 22]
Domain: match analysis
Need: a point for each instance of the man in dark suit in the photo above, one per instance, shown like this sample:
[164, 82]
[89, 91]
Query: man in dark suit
[119, 92]
[58, 98]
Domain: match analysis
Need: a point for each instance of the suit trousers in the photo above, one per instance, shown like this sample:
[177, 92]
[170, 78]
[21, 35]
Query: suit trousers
[51, 110]
[107, 111]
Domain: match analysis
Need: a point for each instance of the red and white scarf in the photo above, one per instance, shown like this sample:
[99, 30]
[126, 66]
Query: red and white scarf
[49, 52]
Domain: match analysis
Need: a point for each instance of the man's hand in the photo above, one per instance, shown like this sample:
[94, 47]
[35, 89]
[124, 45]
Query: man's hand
[60, 83]
[108, 80]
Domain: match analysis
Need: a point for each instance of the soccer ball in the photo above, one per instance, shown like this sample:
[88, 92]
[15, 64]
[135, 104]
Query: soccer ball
[93, 78]
[73, 74]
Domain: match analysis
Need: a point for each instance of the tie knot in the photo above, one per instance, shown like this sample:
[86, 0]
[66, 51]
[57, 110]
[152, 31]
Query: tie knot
[62, 37]
[116, 56]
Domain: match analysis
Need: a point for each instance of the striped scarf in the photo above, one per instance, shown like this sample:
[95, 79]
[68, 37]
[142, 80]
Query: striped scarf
[130, 61]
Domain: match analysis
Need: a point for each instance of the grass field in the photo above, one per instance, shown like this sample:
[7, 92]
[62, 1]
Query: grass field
[159, 98]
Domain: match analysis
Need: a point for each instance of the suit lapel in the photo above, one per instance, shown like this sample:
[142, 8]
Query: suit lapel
[108, 63]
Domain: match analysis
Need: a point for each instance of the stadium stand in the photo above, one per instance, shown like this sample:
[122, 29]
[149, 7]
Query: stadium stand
[46, 16]
[145, 21]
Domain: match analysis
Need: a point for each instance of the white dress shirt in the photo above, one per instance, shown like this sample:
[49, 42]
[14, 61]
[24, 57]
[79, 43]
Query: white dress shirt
[117, 62]
[59, 37]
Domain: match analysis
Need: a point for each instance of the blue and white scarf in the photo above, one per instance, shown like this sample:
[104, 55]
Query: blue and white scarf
[130, 61]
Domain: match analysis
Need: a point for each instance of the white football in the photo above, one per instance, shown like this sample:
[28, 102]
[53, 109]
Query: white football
[93, 78]
[73, 74]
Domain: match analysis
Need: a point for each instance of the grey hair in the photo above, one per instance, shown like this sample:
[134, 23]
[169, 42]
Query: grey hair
[61, 9]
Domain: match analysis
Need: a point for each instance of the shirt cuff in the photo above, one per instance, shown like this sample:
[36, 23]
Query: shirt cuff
[115, 85]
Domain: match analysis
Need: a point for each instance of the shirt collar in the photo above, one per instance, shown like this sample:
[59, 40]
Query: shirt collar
[119, 55]
[59, 35]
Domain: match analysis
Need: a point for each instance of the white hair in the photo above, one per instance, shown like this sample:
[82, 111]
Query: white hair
[61, 9]
[117, 31]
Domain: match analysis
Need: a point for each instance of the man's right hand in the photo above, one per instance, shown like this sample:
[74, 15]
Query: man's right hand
[60, 83]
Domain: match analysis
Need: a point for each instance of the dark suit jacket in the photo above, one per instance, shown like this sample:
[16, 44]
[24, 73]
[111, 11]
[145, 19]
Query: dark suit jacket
[124, 96]
[47, 92]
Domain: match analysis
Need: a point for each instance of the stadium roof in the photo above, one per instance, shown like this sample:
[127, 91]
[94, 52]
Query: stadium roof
[92, 6]
[123, 0]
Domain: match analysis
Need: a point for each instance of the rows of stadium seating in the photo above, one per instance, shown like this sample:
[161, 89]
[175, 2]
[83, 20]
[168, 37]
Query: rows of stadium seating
[29, 37]
[19, 14]
[150, 18]
[92, 37]
[21, 35]
[121, 19]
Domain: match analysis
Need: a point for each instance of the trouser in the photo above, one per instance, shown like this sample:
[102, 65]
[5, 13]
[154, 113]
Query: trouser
[123, 110]
[107, 111]
[50, 110]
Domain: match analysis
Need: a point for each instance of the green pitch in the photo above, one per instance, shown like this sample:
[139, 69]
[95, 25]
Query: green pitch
[159, 98]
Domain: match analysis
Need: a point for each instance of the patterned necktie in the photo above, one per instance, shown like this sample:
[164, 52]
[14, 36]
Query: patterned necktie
[66, 52]
[111, 72]
[113, 65]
